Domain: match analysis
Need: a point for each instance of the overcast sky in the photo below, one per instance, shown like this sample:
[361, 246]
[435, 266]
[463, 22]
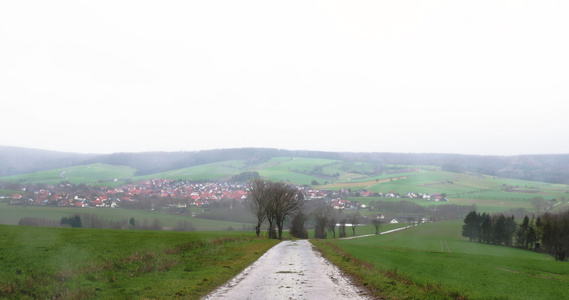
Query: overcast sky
[470, 77]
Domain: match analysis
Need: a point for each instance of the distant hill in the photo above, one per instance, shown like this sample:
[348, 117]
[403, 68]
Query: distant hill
[17, 160]
[552, 168]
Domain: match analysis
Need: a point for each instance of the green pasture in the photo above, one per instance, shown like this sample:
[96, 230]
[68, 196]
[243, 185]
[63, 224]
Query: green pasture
[69, 263]
[287, 176]
[354, 169]
[292, 169]
[435, 257]
[12, 214]
[301, 164]
[213, 171]
[93, 174]
[486, 191]
[5, 192]
[421, 202]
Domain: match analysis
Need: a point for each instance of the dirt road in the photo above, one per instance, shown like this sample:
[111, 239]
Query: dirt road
[289, 270]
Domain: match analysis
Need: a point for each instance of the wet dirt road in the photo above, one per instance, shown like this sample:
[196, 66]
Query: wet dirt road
[290, 270]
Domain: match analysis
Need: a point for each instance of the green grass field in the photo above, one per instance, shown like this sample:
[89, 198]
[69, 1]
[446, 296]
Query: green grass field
[93, 174]
[292, 169]
[11, 215]
[433, 261]
[489, 193]
[213, 171]
[68, 263]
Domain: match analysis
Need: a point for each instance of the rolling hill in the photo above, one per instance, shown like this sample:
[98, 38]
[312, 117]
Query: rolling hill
[553, 168]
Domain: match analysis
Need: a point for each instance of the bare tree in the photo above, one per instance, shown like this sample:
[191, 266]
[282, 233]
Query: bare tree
[297, 228]
[342, 228]
[538, 203]
[284, 202]
[258, 200]
[555, 228]
[354, 218]
[321, 215]
[331, 225]
[376, 223]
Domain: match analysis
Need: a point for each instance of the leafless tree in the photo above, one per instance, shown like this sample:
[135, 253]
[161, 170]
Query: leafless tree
[284, 201]
[538, 203]
[321, 214]
[376, 223]
[555, 238]
[342, 228]
[297, 228]
[331, 225]
[259, 193]
[354, 218]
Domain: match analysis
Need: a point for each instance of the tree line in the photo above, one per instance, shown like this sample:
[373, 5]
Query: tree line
[548, 233]
[274, 202]
[86, 220]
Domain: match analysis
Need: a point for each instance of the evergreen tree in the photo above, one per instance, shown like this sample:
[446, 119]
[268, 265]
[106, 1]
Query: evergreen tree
[522, 234]
[509, 230]
[471, 227]
[486, 228]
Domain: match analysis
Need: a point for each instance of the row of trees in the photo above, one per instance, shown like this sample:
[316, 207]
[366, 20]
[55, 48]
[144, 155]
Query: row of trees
[326, 218]
[86, 220]
[273, 202]
[552, 230]
[485, 228]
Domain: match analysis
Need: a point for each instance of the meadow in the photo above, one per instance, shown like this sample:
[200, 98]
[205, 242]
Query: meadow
[41, 263]
[12, 214]
[433, 261]
[213, 171]
[93, 174]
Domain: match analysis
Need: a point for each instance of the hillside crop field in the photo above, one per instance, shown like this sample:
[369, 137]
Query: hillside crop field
[42, 263]
[433, 261]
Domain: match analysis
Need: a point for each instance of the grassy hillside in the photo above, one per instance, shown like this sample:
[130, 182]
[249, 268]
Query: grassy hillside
[214, 171]
[91, 174]
[434, 261]
[68, 263]
[489, 193]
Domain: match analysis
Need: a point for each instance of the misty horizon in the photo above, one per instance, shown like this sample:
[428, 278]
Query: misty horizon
[407, 77]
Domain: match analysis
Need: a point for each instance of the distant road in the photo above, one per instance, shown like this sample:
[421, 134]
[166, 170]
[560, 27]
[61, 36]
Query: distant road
[385, 232]
[290, 270]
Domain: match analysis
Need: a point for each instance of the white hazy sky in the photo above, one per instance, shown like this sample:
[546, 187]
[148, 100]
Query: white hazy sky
[471, 77]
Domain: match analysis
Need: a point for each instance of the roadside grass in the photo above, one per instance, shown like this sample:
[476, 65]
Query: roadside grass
[12, 214]
[40, 263]
[416, 264]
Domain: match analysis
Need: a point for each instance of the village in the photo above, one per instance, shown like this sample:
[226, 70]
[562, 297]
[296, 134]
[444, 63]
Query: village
[182, 194]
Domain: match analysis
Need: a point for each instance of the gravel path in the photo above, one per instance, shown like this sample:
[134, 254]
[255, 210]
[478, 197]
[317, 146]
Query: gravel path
[290, 270]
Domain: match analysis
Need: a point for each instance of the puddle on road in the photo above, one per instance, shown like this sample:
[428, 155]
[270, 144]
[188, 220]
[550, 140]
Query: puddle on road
[287, 272]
